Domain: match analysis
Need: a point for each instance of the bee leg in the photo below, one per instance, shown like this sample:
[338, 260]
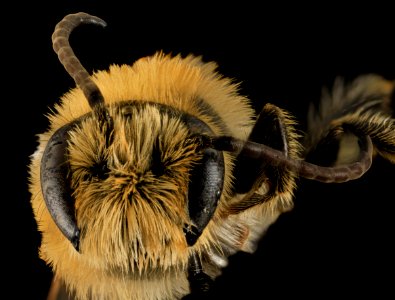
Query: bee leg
[199, 282]
[350, 111]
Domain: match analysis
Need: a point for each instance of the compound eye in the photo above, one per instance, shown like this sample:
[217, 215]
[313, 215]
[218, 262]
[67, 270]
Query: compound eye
[205, 189]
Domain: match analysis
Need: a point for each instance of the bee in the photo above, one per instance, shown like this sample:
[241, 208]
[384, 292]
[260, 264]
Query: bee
[151, 176]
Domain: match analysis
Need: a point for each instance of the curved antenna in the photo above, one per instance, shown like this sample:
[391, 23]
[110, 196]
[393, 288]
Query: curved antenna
[305, 169]
[61, 45]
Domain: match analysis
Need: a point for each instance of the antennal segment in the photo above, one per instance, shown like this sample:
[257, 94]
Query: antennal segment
[61, 45]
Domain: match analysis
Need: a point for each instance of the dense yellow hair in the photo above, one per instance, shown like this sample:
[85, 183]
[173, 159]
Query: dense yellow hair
[135, 249]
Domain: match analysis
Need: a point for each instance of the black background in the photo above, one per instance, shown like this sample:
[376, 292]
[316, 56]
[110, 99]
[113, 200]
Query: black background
[338, 239]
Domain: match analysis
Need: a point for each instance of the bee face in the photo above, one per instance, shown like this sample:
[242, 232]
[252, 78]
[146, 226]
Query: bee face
[140, 178]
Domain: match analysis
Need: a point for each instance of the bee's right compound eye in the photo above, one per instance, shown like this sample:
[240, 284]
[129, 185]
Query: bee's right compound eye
[205, 189]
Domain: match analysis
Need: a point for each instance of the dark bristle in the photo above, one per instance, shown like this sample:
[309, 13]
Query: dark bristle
[100, 170]
[157, 166]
